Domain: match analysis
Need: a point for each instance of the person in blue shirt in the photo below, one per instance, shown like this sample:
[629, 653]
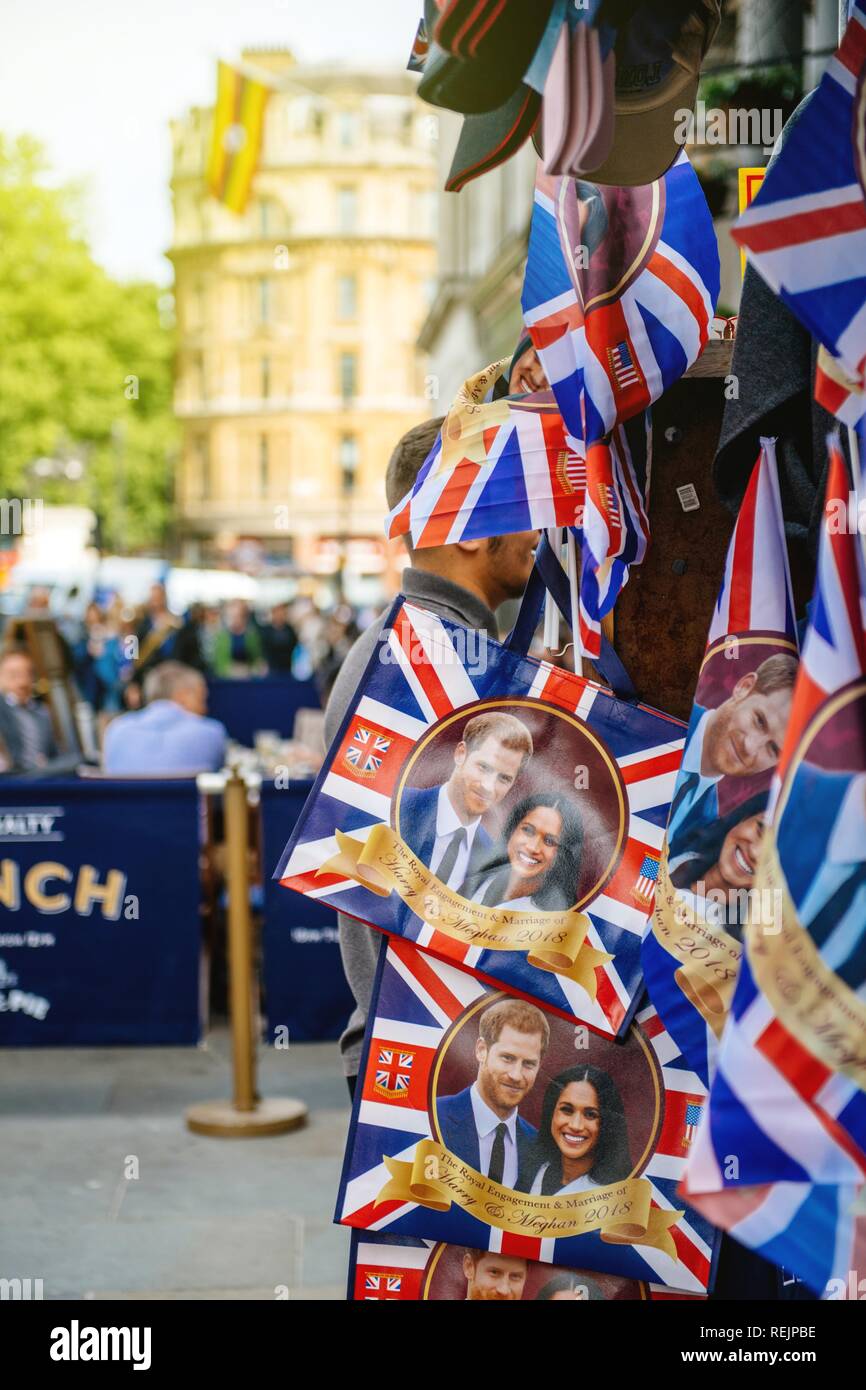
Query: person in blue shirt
[171, 734]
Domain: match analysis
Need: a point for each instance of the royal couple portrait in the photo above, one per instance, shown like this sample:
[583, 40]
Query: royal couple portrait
[534, 861]
[582, 1139]
[492, 1277]
[739, 739]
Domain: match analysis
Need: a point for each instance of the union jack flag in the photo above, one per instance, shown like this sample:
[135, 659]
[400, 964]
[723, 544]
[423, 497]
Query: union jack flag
[796, 1121]
[366, 751]
[417, 1000]
[390, 1079]
[837, 392]
[432, 1270]
[377, 1286]
[618, 297]
[498, 466]
[406, 696]
[755, 607]
[805, 231]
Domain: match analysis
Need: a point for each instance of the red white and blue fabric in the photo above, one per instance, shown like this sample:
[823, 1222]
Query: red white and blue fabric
[792, 1120]
[415, 1001]
[371, 1254]
[805, 231]
[615, 327]
[419, 675]
[517, 468]
[755, 597]
[513, 467]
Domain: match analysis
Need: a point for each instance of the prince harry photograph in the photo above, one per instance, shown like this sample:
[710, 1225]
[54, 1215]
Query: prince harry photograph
[482, 1124]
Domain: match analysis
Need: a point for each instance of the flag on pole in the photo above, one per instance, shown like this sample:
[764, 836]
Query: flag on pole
[805, 231]
[236, 139]
[704, 894]
[788, 1096]
[618, 297]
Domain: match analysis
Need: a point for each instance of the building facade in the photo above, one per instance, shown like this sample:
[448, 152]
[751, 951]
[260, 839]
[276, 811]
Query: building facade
[475, 317]
[298, 366]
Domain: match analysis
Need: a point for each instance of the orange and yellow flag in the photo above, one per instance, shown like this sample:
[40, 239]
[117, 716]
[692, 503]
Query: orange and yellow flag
[237, 136]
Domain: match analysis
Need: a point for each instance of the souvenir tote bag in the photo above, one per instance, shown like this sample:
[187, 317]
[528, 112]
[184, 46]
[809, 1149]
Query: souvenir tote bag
[408, 1269]
[484, 1121]
[505, 814]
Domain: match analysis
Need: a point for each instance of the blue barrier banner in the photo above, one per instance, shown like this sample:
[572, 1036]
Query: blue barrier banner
[302, 975]
[262, 702]
[100, 933]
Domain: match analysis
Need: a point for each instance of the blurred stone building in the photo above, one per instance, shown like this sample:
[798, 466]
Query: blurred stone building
[298, 365]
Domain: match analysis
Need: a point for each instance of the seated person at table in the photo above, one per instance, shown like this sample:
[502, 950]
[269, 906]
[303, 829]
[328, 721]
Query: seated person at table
[171, 734]
[25, 723]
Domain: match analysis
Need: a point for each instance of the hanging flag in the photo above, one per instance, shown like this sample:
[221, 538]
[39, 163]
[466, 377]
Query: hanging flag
[805, 232]
[507, 465]
[618, 296]
[705, 891]
[788, 1097]
[236, 140]
[838, 393]
[497, 467]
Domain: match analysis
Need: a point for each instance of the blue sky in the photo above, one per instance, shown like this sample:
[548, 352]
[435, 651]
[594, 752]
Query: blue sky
[98, 81]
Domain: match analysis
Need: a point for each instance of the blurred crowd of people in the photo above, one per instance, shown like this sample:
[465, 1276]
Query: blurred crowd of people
[121, 659]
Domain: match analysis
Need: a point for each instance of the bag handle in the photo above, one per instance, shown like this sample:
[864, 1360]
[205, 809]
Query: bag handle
[549, 576]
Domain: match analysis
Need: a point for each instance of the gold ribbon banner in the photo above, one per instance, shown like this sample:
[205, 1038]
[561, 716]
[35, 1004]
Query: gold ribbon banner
[817, 1008]
[709, 957]
[554, 941]
[622, 1212]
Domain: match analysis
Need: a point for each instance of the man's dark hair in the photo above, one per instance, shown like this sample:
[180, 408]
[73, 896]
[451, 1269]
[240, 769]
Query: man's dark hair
[406, 461]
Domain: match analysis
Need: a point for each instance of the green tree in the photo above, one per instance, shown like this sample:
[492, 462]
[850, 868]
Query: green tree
[85, 362]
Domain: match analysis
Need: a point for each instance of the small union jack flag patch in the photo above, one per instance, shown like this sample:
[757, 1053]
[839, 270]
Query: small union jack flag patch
[366, 751]
[382, 1286]
[393, 1073]
[645, 883]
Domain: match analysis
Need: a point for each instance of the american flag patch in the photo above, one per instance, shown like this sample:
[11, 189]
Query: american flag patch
[393, 1073]
[622, 365]
[693, 1115]
[366, 751]
[645, 883]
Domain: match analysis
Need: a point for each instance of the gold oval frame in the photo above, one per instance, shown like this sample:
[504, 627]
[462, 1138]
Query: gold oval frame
[469, 711]
[483, 1002]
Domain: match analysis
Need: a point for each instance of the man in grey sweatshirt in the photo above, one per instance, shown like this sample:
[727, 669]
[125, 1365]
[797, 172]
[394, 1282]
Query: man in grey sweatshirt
[465, 583]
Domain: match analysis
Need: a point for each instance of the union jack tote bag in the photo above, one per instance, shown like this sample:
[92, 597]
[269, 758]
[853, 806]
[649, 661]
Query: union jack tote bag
[483, 1121]
[504, 814]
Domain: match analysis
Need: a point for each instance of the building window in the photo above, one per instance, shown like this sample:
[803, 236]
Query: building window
[347, 297]
[264, 300]
[264, 216]
[347, 209]
[200, 377]
[202, 450]
[349, 461]
[348, 126]
[266, 378]
[348, 375]
[264, 465]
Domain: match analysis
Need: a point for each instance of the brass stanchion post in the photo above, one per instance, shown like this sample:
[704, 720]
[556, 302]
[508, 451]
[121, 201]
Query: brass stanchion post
[244, 1115]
